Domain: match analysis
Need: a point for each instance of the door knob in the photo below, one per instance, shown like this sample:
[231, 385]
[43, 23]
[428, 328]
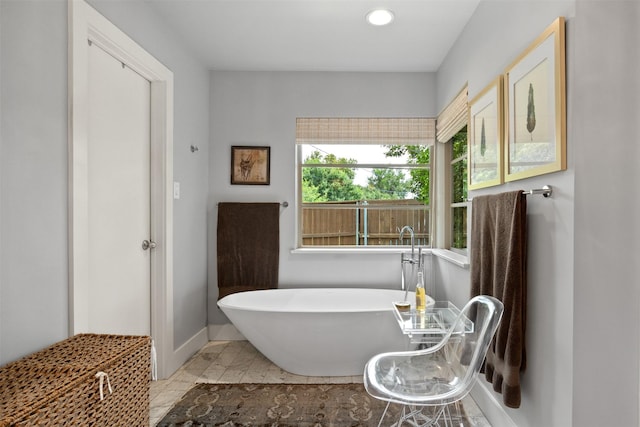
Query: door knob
[148, 244]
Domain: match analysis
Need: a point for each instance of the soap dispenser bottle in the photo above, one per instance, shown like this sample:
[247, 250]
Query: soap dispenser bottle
[421, 297]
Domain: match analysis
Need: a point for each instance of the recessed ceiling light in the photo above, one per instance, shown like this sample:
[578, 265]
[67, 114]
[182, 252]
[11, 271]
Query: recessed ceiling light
[380, 17]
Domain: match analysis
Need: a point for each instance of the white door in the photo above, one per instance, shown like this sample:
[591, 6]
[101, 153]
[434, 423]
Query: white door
[118, 155]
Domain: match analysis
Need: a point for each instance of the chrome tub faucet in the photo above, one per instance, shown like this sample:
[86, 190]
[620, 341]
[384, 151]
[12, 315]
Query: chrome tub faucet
[411, 260]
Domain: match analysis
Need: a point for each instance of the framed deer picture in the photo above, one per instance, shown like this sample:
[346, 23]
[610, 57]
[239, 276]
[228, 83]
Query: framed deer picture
[250, 165]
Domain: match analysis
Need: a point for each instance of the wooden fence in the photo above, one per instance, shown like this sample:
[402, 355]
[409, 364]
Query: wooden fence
[356, 223]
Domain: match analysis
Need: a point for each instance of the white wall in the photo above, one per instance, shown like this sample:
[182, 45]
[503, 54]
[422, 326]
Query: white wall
[33, 176]
[494, 37]
[583, 323]
[33, 170]
[191, 127]
[1, 184]
[606, 337]
[260, 108]
[584, 326]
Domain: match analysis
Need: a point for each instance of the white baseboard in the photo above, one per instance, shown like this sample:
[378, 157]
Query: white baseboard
[492, 409]
[226, 332]
[185, 351]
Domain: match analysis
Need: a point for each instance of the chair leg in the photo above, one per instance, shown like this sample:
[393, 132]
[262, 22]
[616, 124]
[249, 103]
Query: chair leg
[384, 413]
[416, 417]
[456, 420]
[447, 416]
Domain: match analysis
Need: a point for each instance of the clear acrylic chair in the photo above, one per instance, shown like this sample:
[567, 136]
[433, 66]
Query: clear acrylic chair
[426, 382]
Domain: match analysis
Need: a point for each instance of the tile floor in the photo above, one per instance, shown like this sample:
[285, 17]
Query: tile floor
[240, 362]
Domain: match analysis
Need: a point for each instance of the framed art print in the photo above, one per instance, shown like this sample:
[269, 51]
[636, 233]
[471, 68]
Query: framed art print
[485, 133]
[536, 107]
[250, 165]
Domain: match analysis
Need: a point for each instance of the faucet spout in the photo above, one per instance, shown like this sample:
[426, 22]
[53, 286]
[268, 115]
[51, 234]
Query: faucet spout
[410, 230]
[411, 261]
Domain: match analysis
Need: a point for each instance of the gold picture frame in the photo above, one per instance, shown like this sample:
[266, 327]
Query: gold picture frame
[250, 165]
[485, 137]
[535, 104]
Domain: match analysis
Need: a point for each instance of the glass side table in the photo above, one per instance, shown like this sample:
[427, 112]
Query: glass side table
[430, 326]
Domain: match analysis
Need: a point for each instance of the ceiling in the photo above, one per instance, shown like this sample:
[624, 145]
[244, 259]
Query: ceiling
[317, 35]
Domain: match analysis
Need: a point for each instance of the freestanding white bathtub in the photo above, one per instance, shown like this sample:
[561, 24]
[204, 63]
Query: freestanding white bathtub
[318, 331]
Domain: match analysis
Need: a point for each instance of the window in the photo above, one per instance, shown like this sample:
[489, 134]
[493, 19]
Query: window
[360, 185]
[452, 184]
[459, 190]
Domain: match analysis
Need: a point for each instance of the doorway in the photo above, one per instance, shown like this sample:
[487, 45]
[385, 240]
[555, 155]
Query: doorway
[119, 197]
[103, 240]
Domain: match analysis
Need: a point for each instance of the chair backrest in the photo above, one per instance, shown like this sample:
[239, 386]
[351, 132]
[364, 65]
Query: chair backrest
[467, 349]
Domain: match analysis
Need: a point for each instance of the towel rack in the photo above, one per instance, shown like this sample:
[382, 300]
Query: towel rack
[546, 191]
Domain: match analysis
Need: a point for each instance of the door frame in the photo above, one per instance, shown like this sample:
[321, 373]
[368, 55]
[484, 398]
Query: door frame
[86, 26]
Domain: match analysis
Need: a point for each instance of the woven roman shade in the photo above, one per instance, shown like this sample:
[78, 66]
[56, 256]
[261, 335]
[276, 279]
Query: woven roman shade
[453, 117]
[349, 130]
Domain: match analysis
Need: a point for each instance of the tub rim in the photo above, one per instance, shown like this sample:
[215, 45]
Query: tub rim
[311, 310]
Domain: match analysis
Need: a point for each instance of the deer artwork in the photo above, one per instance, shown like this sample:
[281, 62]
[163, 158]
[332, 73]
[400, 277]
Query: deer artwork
[246, 164]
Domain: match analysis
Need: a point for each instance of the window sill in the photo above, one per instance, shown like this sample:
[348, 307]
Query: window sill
[452, 257]
[355, 250]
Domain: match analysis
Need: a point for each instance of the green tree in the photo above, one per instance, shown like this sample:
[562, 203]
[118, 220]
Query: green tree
[310, 192]
[386, 184]
[329, 184]
[459, 149]
[459, 190]
[417, 154]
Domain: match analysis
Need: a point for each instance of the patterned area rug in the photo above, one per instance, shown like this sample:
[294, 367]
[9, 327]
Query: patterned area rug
[280, 405]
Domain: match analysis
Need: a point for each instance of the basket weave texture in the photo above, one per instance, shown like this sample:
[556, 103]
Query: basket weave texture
[58, 385]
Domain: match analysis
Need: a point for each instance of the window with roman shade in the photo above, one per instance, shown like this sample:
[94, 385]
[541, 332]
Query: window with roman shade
[451, 129]
[361, 179]
[381, 131]
[453, 117]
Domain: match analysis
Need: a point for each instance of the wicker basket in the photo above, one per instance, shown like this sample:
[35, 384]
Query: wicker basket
[59, 386]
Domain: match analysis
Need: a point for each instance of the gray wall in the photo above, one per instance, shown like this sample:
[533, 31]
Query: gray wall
[582, 241]
[607, 234]
[191, 127]
[583, 283]
[495, 36]
[33, 176]
[260, 108]
[1, 227]
[33, 170]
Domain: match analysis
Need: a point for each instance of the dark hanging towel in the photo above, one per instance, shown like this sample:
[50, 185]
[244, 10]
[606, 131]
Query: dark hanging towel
[248, 246]
[499, 268]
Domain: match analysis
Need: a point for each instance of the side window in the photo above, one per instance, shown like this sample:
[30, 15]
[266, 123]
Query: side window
[451, 169]
[459, 194]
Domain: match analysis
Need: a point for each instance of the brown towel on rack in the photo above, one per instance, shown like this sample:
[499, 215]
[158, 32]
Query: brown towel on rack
[499, 268]
[248, 246]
